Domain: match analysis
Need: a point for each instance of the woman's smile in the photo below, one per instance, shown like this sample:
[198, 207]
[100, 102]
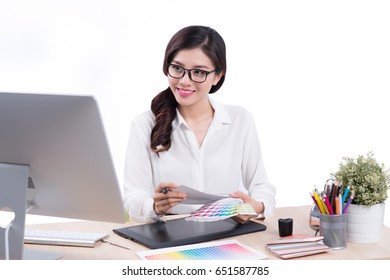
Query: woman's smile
[185, 92]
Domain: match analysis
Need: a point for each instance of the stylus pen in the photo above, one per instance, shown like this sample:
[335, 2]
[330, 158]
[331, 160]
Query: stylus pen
[165, 190]
[116, 244]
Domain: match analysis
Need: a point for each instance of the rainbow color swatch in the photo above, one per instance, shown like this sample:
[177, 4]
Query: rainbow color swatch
[217, 250]
[221, 209]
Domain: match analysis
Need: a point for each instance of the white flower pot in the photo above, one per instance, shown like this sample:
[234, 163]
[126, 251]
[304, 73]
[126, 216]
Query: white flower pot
[365, 223]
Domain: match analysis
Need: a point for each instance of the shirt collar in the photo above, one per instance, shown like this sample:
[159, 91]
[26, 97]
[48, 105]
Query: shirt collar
[220, 116]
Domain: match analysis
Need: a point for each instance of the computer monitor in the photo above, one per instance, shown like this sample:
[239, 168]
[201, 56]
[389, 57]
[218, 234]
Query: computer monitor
[62, 141]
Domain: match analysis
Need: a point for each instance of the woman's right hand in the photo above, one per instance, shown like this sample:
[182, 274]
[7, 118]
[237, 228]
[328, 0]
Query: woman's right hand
[165, 197]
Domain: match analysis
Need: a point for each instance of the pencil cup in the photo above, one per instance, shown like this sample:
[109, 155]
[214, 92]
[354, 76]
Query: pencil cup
[333, 229]
[314, 219]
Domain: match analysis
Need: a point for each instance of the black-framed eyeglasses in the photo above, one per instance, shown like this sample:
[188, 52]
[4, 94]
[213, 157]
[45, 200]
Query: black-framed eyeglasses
[196, 75]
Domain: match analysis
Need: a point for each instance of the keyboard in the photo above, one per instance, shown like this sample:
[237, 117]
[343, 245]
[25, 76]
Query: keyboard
[66, 238]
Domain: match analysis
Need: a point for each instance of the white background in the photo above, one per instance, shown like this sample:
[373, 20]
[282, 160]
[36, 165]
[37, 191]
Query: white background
[315, 74]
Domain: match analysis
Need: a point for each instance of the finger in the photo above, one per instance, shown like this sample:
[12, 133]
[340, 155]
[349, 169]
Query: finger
[162, 207]
[238, 220]
[169, 201]
[239, 194]
[241, 219]
[164, 202]
[170, 196]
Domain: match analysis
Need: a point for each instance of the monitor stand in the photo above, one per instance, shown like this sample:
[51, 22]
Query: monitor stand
[13, 189]
[40, 255]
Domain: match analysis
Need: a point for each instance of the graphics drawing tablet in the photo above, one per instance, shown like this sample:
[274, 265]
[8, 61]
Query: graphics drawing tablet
[181, 232]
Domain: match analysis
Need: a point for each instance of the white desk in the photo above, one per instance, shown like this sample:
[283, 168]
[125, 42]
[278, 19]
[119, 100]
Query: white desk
[300, 214]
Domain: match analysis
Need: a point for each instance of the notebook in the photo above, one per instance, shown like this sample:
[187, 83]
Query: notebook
[181, 232]
[297, 245]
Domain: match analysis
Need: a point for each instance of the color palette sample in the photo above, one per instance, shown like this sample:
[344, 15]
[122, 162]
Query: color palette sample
[221, 209]
[218, 250]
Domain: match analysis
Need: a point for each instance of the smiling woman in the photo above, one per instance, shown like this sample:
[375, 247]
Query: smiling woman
[190, 139]
[200, 77]
[191, 92]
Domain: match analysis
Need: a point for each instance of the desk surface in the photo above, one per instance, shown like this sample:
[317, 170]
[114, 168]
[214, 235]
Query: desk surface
[257, 241]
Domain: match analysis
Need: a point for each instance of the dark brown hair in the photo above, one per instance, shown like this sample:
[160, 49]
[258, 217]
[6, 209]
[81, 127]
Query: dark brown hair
[164, 104]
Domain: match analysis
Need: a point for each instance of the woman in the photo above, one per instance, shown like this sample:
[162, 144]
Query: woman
[190, 139]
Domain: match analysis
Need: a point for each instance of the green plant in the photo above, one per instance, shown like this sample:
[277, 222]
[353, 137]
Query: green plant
[366, 177]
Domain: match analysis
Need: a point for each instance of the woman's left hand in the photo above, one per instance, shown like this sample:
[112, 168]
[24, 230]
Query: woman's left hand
[258, 206]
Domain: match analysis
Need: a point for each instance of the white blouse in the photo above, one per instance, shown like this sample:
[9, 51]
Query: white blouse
[228, 160]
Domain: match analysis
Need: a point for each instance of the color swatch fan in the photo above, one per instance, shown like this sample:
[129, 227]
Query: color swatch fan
[222, 209]
[217, 250]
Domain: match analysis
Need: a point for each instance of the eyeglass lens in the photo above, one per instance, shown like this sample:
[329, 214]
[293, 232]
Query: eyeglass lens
[196, 75]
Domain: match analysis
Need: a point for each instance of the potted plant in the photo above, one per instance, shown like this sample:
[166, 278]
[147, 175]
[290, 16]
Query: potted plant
[369, 183]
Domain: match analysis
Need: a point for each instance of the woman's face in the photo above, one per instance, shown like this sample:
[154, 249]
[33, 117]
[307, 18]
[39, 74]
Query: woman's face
[186, 91]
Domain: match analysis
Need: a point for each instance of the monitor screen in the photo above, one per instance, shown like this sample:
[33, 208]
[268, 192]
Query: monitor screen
[61, 139]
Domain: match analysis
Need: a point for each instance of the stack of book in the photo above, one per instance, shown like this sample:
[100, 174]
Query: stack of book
[295, 246]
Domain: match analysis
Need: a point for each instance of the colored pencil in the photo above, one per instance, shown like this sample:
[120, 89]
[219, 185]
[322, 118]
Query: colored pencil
[337, 205]
[345, 193]
[319, 202]
[315, 201]
[348, 202]
[328, 205]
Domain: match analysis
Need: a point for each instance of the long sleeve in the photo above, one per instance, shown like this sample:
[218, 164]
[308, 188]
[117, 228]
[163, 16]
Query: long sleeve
[138, 183]
[254, 174]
